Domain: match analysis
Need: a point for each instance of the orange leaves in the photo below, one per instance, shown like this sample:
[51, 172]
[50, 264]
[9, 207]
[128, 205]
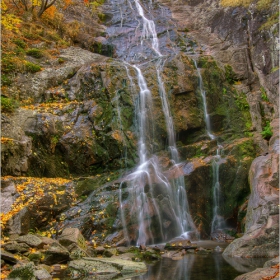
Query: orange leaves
[4, 273]
[5, 140]
[276, 274]
[50, 12]
[67, 3]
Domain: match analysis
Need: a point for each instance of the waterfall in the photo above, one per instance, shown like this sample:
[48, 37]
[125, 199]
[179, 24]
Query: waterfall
[149, 29]
[148, 181]
[159, 206]
[203, 95]
[179, 183]
[218, 221]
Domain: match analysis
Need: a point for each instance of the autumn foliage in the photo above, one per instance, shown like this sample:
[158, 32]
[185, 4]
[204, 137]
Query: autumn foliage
[30, 190]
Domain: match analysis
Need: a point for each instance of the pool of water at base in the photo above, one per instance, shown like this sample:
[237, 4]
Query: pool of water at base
[212, 266]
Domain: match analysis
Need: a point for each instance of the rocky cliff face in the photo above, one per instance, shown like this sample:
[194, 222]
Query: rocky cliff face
[77, 119]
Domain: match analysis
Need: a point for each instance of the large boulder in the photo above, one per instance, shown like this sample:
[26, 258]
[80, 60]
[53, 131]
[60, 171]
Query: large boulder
[70, 236]
[110, 267]
[261, 238]
[261, 273]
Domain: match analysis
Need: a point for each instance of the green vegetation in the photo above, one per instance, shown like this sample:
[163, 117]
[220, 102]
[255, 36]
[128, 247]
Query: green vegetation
[32, 67]
[264, 96]
[230, 75]
[5, 80]
[8, 105]
[261, 4]
[241, 101]
[274, 69]
[19, 43]
[60, 60]
[25, 273]
[267, 131]
[264, 4]
[270, 21]
[35, 53]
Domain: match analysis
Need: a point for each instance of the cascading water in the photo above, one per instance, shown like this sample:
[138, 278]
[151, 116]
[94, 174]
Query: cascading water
[179, 184]
[218, 221]
[203, 95]
[160, 206]
[149, 29]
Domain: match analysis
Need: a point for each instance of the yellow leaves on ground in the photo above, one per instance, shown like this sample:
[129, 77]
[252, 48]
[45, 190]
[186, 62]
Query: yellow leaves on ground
[50, 107]
[30, 191]
[4, 274]
[5, 140]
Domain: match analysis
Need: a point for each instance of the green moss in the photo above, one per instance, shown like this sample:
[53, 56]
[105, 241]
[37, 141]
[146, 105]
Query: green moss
[241, 101]
[270, 22]
[264, 4]
[61, 60]
[25, 273]
[203, 62]
[101, 17]
[87, 185]
[230, 75]
[35, 257]
[276, 68]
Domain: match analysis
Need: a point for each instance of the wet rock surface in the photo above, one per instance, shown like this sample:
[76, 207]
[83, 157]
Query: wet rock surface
[261, 238]
[52, 260]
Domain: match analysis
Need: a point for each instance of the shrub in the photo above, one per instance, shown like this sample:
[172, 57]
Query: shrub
[8, 64]
[31, 67]
[230, 75]
[19, 43]
[35, 53]
[8, 105]
[5, 80]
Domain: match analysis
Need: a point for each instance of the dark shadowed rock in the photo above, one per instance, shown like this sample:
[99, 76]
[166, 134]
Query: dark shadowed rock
[6, 256]
[55, 253]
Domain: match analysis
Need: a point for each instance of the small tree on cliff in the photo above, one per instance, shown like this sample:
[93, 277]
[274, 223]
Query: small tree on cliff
[38, 7]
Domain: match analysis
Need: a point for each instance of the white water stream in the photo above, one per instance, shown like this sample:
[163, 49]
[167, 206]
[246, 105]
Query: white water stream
[218, 221]
[148, 178]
